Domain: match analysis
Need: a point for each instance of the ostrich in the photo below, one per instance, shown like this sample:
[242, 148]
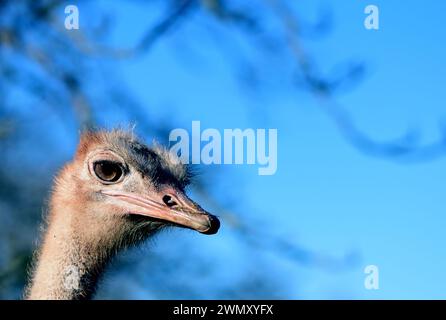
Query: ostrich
[115, 193]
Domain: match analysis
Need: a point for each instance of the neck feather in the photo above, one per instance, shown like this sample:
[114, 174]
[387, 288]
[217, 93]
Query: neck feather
[68, 264]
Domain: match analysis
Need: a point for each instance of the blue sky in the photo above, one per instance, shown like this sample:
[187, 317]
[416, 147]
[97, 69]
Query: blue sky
[338, 199]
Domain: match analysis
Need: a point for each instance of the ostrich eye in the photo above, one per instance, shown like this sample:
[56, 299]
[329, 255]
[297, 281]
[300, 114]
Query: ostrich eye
[107, 171]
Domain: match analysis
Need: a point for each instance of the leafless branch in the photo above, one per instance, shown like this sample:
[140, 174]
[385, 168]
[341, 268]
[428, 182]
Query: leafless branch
[404, 149]
[178, 11]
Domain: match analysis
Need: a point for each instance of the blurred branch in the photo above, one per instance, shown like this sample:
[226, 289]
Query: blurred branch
[405, 148]
[176, 13]
[66, 77]
[220, 10]
[262, 240]
[19, 263]
[6, 127]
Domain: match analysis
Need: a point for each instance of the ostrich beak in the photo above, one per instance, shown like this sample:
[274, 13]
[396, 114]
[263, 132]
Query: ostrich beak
[174, 207]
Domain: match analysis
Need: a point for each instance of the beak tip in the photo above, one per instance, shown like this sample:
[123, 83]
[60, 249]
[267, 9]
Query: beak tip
[214, 225]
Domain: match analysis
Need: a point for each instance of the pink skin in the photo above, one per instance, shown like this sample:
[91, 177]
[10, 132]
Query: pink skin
[179, 209]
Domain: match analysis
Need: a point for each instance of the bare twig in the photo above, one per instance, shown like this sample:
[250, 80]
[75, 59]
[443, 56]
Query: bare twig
[404, 149]
[178, 12]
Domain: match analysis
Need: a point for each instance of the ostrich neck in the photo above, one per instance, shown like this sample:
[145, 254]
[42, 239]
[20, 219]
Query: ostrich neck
[68, 265]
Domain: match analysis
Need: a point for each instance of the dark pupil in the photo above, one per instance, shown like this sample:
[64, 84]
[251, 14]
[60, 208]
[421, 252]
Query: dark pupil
[107, 171]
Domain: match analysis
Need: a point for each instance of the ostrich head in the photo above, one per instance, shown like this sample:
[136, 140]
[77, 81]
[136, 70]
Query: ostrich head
[121, 191]
[116, 192]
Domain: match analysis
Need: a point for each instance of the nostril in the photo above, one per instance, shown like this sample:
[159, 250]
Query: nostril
[168, 200]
